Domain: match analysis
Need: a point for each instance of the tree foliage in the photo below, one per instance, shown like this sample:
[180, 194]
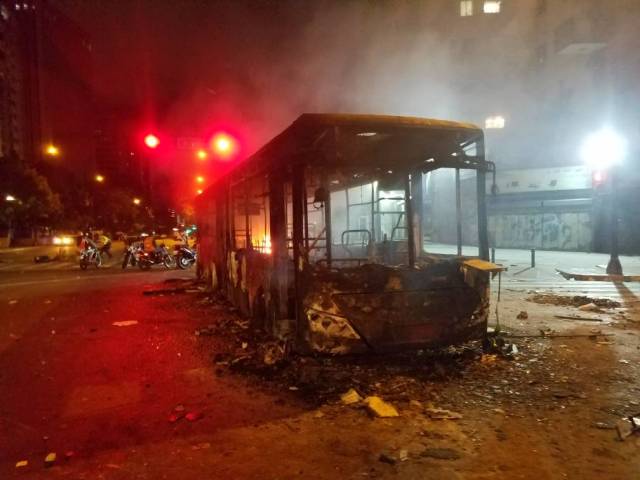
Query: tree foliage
[35, 203]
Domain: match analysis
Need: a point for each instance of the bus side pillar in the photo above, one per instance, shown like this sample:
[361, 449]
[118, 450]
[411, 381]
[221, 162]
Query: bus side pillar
[278, 282]
[299, 255]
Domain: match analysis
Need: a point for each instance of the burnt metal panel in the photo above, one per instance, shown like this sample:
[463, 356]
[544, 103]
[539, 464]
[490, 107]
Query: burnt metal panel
[435, 305]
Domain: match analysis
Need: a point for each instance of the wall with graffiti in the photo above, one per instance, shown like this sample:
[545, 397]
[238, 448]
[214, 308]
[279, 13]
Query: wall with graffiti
[548, 231]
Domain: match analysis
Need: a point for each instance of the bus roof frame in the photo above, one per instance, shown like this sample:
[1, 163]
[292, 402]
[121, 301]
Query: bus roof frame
[319, 137]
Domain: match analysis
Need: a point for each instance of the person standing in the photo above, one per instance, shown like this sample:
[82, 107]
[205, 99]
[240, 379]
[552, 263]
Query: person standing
[105, 244]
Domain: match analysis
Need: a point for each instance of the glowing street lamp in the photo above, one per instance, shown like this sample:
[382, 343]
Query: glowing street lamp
[199, 191]
[137, 201]
[52, 150]
[99, 178]
[10, 198]
[200, 179]
[201, 154]
[602, 151]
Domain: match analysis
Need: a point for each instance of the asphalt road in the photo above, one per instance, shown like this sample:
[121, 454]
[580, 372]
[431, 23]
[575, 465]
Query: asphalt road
[73, 380]
[92, 368]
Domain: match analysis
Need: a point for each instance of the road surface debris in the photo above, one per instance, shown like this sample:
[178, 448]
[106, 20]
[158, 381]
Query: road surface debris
[380, 408]
[125, 323]
[350, 397]
[50, 459]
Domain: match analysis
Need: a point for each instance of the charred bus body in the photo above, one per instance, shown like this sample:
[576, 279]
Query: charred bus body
[345, 234]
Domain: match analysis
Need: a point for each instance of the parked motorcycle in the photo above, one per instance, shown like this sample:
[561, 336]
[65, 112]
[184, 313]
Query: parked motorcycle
[160, 256]
[185, 256]
[132, 255]
[90, 256]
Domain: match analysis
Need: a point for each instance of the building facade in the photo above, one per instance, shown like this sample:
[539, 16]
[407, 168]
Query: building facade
[541, 76]
[46, 94]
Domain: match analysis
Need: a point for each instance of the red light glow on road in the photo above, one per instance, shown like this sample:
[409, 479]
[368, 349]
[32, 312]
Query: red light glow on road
[151, 141]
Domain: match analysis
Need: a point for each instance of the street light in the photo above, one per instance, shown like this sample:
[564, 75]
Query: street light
[136, 201]
[201, 154]
[200, 179]
[199, 191]
[10, 198]
[602, 151]
[52, 150]
[99, 178]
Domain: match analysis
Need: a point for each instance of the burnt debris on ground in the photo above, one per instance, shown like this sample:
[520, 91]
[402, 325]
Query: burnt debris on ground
[573, 301]
[454, 378]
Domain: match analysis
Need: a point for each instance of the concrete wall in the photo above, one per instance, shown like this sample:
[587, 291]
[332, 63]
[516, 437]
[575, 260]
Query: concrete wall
[570, 231]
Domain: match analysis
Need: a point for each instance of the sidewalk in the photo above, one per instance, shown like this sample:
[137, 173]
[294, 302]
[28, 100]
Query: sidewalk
[518, 262]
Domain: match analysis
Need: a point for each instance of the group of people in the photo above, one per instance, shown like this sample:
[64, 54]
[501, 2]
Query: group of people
[99, 241]
[102, 243]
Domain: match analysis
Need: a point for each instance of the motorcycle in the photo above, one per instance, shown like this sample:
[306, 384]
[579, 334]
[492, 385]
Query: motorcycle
[185, 256]
[160, 256]
[132, 255]
[90, 256]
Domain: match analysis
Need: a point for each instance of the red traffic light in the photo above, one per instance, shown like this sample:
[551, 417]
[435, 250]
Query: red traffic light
[151, 141]
[224, 145]
[598, 178]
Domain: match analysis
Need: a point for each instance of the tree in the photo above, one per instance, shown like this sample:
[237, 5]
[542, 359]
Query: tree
[31, 203]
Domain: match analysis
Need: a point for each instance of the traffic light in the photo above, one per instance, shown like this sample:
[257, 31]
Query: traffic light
[151, 141]
[224, 145]
[598, 179]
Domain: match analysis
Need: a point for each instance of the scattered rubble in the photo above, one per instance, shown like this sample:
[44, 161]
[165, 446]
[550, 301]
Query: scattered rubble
[523, 315]
[273, 352]
[350, 397]
[441, 453]
[380, 408]
[589, 307]
[177, 413]
[50, 459]
[386, 457]
[125, 323]
[442, 414]
[193, 416]
[576, 317]
[403, 455]
[628, 426]
[575, 301]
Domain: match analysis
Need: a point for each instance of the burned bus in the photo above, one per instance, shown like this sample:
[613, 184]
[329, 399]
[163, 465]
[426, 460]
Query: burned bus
[345, 234]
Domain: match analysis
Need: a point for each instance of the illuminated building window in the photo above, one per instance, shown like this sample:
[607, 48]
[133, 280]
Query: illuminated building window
[496, 121]
[466, 8]
[492, 6]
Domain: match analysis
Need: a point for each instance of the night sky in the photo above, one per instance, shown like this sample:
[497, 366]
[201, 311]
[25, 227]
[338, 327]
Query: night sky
[186, 65]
